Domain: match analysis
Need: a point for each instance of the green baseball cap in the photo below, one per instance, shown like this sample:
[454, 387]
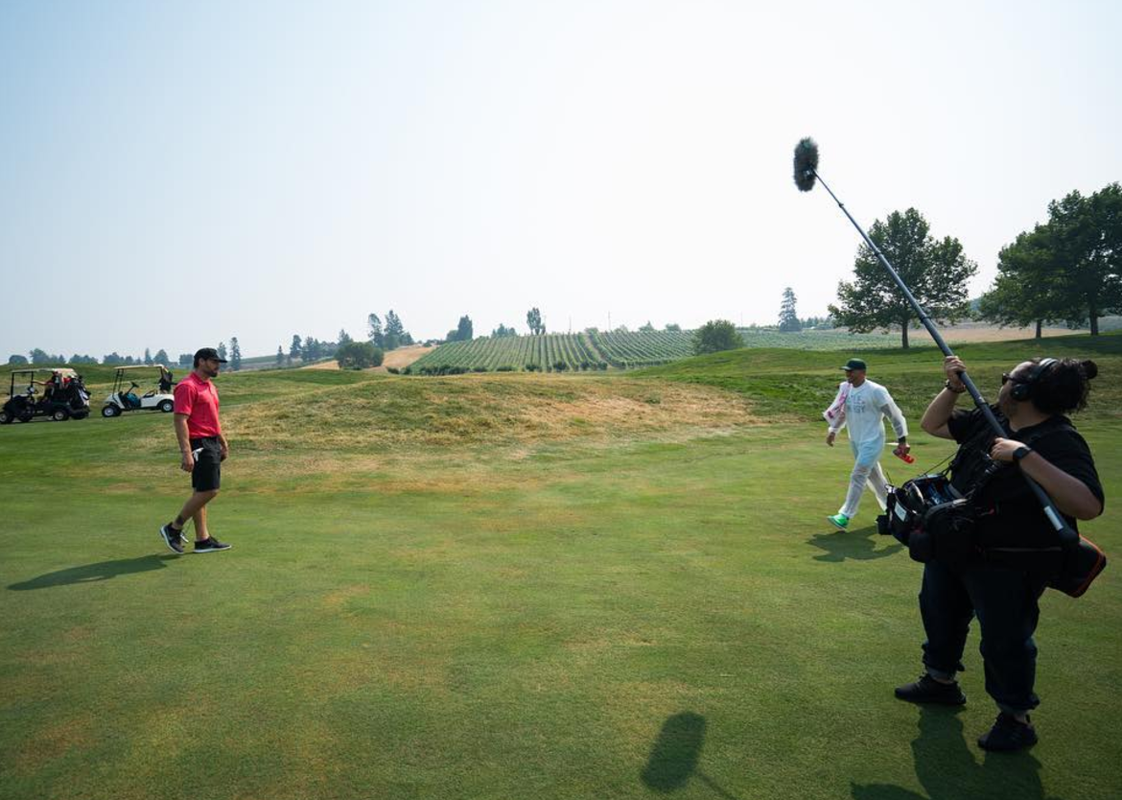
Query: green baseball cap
[854, 363]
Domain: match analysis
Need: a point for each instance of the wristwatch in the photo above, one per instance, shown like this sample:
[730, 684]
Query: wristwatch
[947, 385]
[1021, 452]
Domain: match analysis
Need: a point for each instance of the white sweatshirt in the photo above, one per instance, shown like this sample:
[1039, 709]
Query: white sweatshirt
[864, 409]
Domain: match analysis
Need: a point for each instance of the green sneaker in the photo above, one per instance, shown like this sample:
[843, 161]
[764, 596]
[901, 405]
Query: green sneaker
[839, 521]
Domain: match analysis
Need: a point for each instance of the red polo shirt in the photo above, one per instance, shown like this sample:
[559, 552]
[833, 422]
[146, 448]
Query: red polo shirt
[198, 400]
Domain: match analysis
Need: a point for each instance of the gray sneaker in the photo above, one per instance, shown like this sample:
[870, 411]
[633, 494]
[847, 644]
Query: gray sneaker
[210, 545]
[172, 538]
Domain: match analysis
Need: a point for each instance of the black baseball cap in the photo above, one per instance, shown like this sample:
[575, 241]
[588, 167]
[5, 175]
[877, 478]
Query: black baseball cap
[854, 363]
[209, 352]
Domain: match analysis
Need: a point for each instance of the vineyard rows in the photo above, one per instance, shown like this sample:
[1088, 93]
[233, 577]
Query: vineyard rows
[644, 348]
[599, 350]
[575, 351]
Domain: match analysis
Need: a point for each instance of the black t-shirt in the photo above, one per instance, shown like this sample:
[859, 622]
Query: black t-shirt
[1017, 519]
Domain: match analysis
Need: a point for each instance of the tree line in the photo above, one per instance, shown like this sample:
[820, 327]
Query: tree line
[39, 357]
[1067, 270]
[382, 336]
[535, 322]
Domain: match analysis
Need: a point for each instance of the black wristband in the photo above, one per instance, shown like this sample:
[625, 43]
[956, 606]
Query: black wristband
[947, 385]
[1021, 452]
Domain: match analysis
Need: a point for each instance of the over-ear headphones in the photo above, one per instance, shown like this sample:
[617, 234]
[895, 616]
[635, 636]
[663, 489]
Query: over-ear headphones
[1022, 390]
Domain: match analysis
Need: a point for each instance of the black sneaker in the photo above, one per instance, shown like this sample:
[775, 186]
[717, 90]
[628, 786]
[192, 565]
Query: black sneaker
[172, 538]
[929, 690]
[210, 545]
[1008, 735]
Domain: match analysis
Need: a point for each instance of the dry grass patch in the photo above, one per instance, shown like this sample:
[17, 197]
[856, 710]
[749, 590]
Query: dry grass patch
[403, 357]
[53, 741]
[398, 359]
[353, 436]
[472, 410]
[337, 599]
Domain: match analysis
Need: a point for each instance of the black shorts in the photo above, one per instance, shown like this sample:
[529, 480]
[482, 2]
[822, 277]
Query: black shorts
[207, 474]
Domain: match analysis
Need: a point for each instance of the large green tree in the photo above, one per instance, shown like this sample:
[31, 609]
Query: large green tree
[235, 354]
[935, 270]
[788, 316]
[1069, 268]
[534, 321]
[394, 335]
[358, 355]
[1086, 234]
[374, 326]
[464, 331]
[716, 335]
[1027, 288]
[312, 349]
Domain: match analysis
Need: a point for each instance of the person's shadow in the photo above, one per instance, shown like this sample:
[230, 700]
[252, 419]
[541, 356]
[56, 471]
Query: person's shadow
[89, 573]
[859, 545]
[675, 755]
[949, 769]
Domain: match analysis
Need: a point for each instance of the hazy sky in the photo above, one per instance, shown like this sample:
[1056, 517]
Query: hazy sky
[173, 174]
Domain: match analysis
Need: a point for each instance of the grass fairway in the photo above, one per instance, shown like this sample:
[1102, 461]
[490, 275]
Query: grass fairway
[514, 586]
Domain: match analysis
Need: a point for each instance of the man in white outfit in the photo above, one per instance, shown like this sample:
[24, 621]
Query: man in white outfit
[861, 405]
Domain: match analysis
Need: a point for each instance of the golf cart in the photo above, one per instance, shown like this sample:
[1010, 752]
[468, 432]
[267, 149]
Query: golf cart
[123, 399]
[60, 396]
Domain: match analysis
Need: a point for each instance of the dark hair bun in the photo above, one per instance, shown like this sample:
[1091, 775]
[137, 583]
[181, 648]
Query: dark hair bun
[1090, 369]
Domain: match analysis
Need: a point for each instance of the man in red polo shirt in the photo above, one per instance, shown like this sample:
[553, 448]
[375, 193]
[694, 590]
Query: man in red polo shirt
[204, 448]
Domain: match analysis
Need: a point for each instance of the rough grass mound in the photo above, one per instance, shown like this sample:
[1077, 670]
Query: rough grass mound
[391, 414]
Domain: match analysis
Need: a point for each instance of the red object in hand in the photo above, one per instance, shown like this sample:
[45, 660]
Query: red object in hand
[906, 458]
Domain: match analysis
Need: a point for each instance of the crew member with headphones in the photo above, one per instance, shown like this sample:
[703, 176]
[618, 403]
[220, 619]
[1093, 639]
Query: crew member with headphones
[1002, 592]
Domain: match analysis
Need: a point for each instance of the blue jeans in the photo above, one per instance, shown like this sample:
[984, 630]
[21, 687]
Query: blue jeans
[1005, 602]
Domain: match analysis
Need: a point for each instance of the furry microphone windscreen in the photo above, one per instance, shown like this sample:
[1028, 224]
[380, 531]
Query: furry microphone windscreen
[806, 164]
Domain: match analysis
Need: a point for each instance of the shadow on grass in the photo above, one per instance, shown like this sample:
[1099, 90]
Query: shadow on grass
[675, 756]
[90, 573]
[859, 545]
[950, 769]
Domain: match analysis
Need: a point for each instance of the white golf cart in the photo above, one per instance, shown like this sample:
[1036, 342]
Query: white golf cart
[123, 399]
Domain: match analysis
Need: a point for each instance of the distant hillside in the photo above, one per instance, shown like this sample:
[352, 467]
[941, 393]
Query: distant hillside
[781, 381]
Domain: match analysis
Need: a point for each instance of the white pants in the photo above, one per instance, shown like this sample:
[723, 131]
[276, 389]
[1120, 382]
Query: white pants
[866, 472]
